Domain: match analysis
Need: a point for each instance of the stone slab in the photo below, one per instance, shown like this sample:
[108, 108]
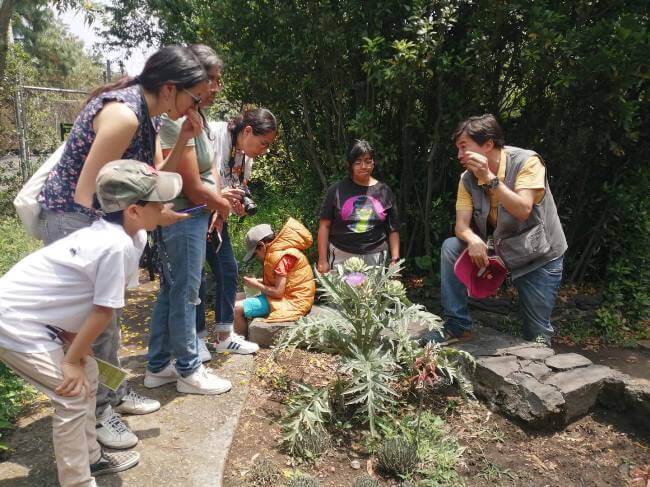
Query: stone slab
[536, 369]
[537, 404]
[567, 361]
[266, 334]
[530, 352]
[498, 367]
[580, 388]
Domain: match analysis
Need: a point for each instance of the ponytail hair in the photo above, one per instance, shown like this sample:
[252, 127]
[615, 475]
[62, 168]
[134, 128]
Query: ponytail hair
[261, 120]
[175, 65]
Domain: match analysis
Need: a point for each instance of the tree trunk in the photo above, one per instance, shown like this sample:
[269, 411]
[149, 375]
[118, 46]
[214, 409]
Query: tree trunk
[310, 142]
[6, 9]
[433, 152]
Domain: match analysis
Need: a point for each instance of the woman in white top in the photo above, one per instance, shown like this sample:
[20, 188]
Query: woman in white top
[235, 143]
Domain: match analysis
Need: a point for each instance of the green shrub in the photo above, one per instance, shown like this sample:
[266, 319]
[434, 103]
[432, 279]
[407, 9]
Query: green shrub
[304, 481]
[264, 471]
[366, 481]
[312, 444]
[14, 392]
[14, 242]
[398, 456]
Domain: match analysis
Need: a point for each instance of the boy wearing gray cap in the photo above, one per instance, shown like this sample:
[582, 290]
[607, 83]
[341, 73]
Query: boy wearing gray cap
[56, 301]
[287, 286]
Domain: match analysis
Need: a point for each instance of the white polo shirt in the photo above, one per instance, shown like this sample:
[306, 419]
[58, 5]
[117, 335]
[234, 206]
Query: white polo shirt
[56, 286]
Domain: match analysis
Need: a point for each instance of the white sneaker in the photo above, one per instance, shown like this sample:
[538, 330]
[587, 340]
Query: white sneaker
[134, 403]
[236, 344]
[204, 353]
[202, 381]
[157, 379]
[112, 432]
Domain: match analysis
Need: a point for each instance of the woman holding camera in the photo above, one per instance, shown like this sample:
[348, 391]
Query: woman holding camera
[235, 143]
[173, 324]
[358, 217]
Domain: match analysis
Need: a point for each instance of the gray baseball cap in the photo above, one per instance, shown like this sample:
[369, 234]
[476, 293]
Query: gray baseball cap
[254, 236]
[124, 182]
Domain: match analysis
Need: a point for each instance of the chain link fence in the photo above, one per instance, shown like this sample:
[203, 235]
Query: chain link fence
[35, 120]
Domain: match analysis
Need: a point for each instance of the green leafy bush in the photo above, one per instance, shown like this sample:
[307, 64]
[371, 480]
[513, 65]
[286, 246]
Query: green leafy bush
[366, 328]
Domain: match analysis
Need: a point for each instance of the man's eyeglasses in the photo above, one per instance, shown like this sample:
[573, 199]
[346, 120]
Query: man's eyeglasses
[365, 162]
[196, 99]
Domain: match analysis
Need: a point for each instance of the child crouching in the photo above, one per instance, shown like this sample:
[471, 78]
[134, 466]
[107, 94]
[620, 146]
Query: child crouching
[287, 288]
[64, 295]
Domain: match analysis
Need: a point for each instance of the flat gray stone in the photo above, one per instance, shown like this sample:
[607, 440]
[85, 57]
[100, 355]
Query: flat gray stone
[536, 403]
[644, 344]
[580, 388]
[266, 334]
[499, 367]
[530, 352]
[567, 361]
[536, 369]
[518, 395]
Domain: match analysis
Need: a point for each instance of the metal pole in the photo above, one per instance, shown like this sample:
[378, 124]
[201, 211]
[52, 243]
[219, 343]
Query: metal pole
[53, 90]
[22, 135]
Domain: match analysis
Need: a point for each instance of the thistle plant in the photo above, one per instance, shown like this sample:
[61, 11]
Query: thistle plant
[366, 326]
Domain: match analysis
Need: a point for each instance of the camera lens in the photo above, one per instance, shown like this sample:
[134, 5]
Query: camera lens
[249, 206]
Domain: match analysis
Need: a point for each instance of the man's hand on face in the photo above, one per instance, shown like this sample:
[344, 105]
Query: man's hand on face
[478, 165]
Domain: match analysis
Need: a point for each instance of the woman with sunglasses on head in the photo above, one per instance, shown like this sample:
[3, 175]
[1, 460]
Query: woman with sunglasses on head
[358, 217]
[173, 324]
[120, 121]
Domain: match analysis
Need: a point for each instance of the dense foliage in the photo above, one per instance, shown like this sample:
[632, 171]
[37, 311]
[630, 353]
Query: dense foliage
[569, 79]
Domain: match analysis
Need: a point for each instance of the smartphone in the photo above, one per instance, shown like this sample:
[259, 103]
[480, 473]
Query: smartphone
[193, 209]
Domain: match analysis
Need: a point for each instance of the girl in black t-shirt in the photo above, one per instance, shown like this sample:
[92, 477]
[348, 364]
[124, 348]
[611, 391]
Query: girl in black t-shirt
[358, 216]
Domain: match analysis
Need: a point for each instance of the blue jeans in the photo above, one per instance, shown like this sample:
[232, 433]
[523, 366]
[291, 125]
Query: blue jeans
[537, 293]
[224, 269]
[173, 324]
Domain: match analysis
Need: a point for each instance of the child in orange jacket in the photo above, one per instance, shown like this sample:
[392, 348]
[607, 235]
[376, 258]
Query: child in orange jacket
[287, 288]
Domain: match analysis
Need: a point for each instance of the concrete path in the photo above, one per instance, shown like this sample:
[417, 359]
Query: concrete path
[184, 444]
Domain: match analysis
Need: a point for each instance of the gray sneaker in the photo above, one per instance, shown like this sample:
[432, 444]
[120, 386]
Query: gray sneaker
[134, 403]
[112, 432]
[113, 462]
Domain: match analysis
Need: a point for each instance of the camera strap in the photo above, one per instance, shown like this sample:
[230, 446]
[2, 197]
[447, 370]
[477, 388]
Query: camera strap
[233, 154]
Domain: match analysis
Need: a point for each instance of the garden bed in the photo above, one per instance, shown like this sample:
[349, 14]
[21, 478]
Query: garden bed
[477, 447]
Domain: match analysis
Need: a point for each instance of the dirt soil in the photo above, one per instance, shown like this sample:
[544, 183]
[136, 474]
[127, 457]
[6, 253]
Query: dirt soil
[599, 449]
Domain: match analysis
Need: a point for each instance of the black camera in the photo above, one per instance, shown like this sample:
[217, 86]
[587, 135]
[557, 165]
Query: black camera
[247, 201]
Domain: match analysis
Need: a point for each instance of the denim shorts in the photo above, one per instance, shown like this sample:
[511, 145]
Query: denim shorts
[256, 307]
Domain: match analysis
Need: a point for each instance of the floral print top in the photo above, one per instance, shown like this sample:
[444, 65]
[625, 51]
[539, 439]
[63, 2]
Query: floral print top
[59, 188]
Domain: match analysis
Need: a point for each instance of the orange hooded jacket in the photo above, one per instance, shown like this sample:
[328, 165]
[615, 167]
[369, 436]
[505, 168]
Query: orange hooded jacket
[300, 288]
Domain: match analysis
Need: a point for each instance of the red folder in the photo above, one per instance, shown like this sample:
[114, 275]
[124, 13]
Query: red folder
[480, 283]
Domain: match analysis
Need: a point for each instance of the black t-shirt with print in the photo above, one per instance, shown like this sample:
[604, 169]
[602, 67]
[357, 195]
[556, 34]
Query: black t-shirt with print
[362, 216]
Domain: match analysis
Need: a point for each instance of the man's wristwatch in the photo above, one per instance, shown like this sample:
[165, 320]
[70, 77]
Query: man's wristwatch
[491, 184]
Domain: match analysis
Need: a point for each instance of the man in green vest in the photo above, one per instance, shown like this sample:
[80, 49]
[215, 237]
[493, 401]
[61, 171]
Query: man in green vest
[503, 200]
